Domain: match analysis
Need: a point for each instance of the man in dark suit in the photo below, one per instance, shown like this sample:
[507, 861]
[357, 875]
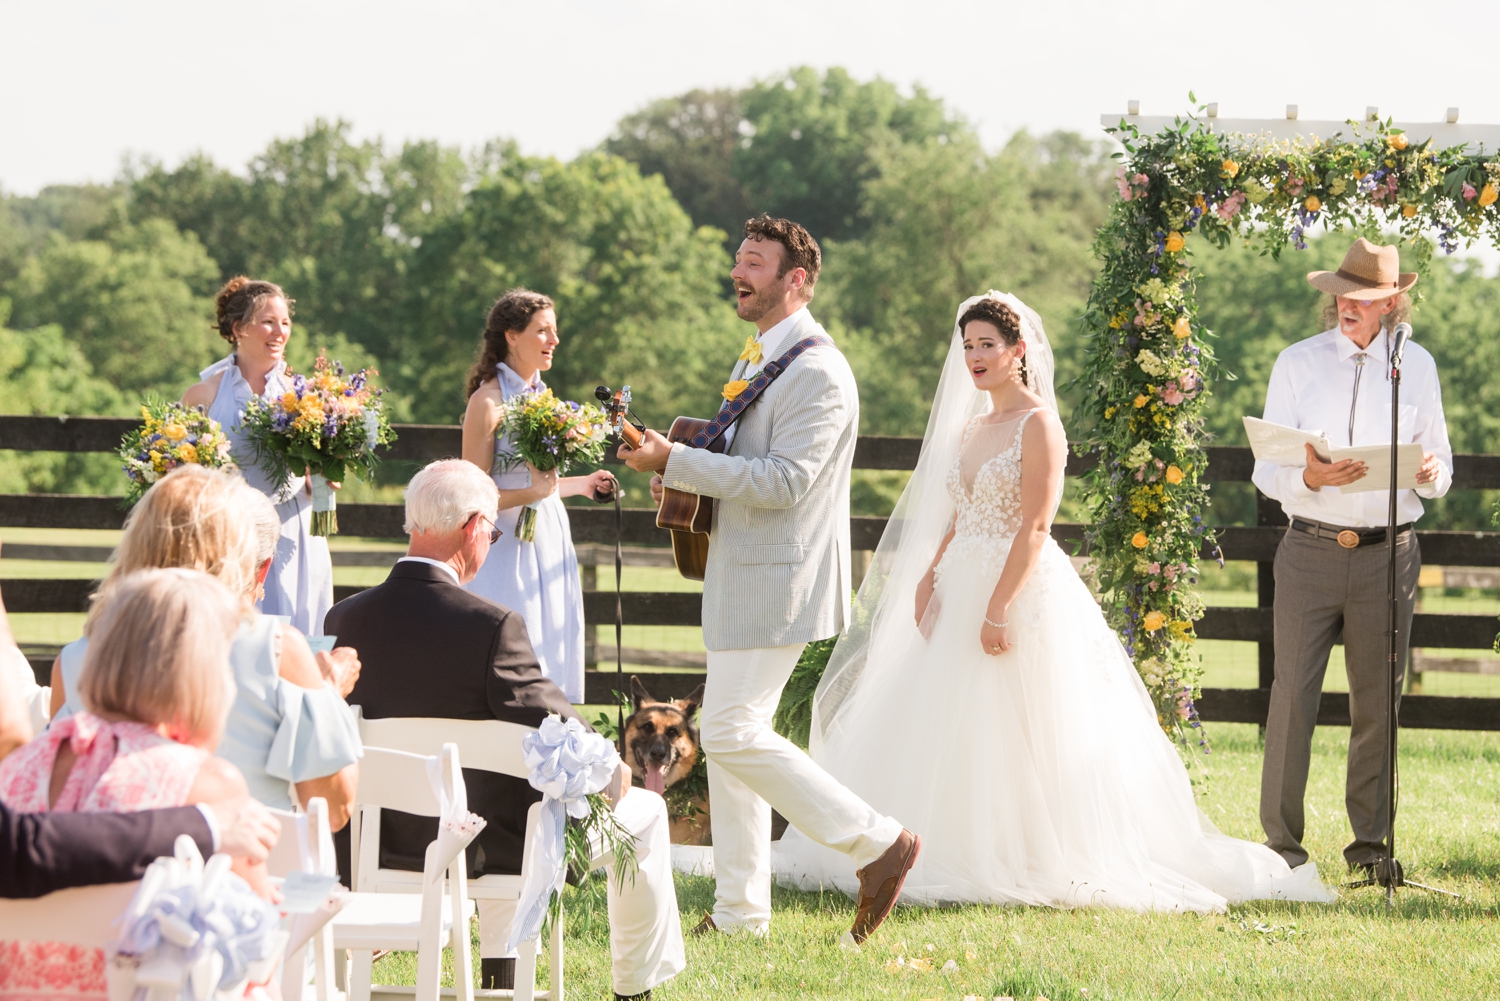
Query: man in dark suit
[431, 649]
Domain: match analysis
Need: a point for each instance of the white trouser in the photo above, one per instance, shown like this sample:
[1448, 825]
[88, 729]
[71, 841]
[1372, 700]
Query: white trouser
[645, 933]
[752, 768]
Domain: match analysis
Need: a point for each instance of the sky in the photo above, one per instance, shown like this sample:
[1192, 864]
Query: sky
[84, 83]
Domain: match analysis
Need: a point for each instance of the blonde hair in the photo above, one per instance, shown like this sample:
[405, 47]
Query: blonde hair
[159, 653]
[266, 523]
[194, 518]
[1400, 314]
[445, 494]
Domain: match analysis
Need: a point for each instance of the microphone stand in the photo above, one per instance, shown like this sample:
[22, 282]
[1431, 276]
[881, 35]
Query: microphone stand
[1388, 872]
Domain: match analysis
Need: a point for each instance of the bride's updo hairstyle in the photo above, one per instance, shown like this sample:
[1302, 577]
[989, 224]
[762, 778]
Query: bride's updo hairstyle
[1003, 318]
[511, 312]
[240, 299]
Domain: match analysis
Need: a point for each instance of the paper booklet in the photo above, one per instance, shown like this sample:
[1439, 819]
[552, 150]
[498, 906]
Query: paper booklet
[1282, 446]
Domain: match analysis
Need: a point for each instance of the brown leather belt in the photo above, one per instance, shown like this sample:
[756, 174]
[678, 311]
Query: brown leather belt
[1349, 538]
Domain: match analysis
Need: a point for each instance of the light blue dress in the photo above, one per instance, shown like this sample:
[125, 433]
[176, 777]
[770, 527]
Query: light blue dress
[300, 583]
[277, 732]
[538, 579]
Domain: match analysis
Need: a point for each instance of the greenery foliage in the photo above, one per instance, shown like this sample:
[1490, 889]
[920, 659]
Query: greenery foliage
[1148, 362]
[793, 718]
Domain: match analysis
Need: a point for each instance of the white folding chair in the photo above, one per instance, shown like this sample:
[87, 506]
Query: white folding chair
[395, 780]
[306, 845]
[485, 745]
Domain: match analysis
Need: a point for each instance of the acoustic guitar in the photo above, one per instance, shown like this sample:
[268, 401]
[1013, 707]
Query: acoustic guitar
[689, 517]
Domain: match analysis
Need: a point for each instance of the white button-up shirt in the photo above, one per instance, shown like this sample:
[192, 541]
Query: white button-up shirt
[772, 346]
[1323, 384]
[446, 568]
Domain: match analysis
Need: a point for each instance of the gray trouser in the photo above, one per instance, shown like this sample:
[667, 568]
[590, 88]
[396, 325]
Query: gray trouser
[1322, 588]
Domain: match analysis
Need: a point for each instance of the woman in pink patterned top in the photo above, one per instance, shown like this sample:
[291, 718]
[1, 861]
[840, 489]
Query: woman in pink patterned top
[157, 687]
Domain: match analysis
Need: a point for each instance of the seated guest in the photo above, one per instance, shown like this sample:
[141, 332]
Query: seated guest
[156, 690]
[43, 852]
[289, 727]
[432, 649]
[24, 706]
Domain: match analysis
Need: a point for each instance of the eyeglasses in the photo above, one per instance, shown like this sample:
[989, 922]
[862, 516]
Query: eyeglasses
[495, 533]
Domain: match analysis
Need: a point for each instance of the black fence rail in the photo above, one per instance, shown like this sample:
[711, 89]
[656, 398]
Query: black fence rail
[422, 443]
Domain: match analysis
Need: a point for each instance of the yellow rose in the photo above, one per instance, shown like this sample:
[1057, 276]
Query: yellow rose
[1312, 204]
[187, 453]
[1182, 328]
[1409, 211]
[734, 388]
[1229, 168]
[1487, 195]
[1175, 242]
[289, 400]
[1140, 401]
[1139, 540]
[1398, 141]
[174, 432]
[1154, 621]
[1174, 475]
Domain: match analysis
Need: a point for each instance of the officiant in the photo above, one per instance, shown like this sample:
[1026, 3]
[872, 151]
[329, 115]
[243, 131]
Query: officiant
[1331, 567]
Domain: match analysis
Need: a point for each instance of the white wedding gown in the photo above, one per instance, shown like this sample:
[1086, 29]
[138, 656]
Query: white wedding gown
[1039, 776]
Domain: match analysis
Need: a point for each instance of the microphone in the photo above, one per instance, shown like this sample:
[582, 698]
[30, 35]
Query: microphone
[1399, 337]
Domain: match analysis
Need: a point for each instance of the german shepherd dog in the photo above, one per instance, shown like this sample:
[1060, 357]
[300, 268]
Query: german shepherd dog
[661, 741]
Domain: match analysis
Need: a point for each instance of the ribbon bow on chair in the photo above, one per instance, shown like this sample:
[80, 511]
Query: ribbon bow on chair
[193, 931]
[567, 764]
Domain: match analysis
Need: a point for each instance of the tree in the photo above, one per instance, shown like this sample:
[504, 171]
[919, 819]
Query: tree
[690, 140]
[799, 145]
[42, 372]
[137, 304]
[637, 286]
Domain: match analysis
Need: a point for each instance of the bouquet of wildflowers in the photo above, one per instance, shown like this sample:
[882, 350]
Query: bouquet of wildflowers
[170, 435]
[550, 434]
[329, 424]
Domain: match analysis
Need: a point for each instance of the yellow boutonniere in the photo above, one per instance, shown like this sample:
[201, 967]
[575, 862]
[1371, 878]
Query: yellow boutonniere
[752, 352]
[734, 388]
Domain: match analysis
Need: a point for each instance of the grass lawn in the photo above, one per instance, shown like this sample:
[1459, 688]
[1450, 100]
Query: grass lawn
[1427, 947]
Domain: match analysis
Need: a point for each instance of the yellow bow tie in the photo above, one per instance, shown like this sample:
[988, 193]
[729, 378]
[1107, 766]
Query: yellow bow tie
[752, 353]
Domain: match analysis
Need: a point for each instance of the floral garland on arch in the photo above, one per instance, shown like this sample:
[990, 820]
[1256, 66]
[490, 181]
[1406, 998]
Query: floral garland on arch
[1149, 364]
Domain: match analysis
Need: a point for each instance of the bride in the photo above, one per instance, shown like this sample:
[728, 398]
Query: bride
[981, 699]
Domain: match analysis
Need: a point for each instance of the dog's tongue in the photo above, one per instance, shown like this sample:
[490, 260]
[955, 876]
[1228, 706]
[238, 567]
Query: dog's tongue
[655, 779]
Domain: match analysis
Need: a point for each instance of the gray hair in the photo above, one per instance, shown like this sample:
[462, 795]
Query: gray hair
[445, 494]
[266, 523]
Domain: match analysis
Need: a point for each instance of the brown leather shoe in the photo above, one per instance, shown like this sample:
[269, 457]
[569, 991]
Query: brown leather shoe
[705, 927]
[880, 884]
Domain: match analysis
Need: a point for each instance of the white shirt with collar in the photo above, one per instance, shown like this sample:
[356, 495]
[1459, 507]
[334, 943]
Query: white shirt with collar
[441, 566]
[772, 346]
[1323, 384]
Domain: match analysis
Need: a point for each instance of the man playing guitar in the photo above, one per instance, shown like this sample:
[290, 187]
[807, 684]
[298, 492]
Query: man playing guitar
[777, 576]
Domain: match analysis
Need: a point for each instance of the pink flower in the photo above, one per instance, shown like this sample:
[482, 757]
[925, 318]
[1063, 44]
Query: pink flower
[1469, 193]
[1170, 572]
[1294, 185]
[1230, 206]
[1123, 185]
[1154, 568]
[1171, 394]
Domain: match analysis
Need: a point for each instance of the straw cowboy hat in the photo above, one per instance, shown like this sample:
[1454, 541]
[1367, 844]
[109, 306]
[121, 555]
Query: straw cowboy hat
[1369, 271]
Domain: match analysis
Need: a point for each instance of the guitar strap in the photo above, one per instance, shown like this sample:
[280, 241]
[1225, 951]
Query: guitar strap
[732, 409]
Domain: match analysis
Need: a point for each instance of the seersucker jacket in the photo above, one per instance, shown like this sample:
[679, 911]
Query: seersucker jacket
[778, 560]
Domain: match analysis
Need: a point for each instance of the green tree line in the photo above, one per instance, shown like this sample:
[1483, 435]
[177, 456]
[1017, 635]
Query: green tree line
[395, 252]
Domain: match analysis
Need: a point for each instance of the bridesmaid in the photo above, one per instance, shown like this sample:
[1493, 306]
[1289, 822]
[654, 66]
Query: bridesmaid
[539, 579]
[255, 317]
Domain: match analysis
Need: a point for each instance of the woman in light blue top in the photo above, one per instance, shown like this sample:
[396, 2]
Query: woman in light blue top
[540, 578]
[256, 318]
[289, 732]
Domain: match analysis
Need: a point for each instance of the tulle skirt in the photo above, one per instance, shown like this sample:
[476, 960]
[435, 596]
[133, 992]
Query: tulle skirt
[1039, 776]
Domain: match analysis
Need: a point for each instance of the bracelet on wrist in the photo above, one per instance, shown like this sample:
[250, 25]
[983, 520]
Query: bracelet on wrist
[997, 625]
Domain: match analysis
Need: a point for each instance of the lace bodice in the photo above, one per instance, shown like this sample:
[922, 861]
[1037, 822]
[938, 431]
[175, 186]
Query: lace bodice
[985, 482]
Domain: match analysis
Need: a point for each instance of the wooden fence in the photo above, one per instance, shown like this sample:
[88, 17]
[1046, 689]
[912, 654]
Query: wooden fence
[421, 443]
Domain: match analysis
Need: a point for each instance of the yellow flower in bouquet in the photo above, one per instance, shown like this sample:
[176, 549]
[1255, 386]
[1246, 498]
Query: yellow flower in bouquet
[1175, 242]
[1487, 196]
[1154, 621]
[170, 435]
[1139, 540]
